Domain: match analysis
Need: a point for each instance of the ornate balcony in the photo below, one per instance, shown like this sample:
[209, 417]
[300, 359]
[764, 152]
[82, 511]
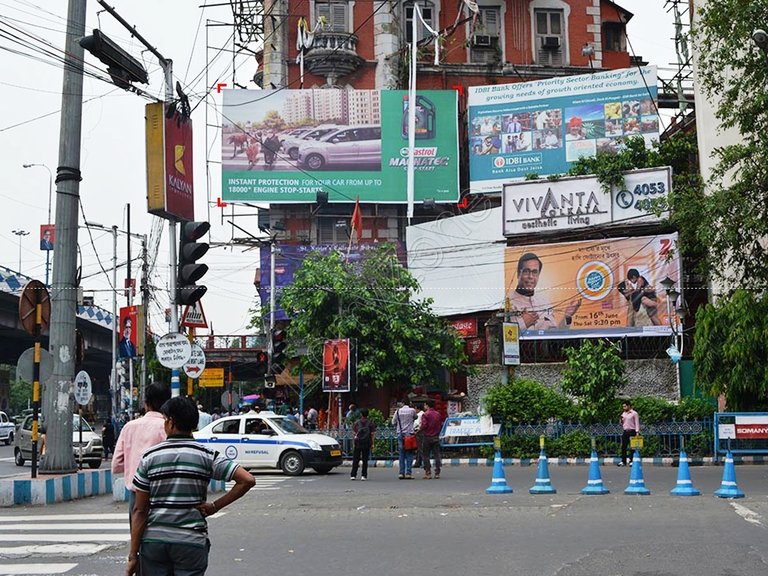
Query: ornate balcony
[333, 55]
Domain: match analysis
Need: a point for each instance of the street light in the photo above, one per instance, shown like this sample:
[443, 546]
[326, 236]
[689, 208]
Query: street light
[50, 189]
[674, 351]
[20, 233]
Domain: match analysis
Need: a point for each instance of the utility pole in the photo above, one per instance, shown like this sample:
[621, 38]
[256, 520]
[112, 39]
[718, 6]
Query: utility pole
[57, 412]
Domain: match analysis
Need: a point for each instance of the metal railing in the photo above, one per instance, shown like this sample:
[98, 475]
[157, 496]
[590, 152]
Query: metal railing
[664, 439]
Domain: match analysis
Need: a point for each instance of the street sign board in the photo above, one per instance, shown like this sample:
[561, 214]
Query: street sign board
[229, 400]
[173, 350]
[34, 293]
[25, 365]
[83, 388]
[196, 363]
[211, 378]
[194, 316]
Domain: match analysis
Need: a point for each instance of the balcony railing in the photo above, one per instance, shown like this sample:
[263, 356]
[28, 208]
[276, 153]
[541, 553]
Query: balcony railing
[333, 55]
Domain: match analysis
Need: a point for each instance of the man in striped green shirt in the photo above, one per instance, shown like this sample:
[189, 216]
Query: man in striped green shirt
[169, 533]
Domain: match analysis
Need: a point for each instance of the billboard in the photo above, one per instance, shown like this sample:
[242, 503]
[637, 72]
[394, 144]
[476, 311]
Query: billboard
[131, 337]
[607, 287]
[47, 237]
[287, 145]
[541, 206]
[337, 361]
[170, 187]
[543, 126]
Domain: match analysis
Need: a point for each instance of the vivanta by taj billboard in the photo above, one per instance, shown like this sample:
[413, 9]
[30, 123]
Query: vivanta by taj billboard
[607, 287]
[288, 145]
[542, 127]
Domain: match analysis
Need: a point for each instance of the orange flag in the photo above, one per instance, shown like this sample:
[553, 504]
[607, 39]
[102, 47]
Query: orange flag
[357, 221]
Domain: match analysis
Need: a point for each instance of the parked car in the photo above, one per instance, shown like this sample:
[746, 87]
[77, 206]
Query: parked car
[7, 429]
[90, 448]
[266, 440]
[356, 145]
[291, 145]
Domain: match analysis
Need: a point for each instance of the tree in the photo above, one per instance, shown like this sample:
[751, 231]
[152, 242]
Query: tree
[593, 375]
[731, 349]
[733, 73]
[400, 340]
[272, 121]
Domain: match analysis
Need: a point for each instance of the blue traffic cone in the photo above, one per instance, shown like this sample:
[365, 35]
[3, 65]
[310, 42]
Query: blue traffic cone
[543, 484]
[684, 486]
[636, 481]
[595, 482]
[499, 482]
[728, 487]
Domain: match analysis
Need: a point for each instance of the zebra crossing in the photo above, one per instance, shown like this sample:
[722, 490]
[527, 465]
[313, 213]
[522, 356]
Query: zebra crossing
[45, 544]
[33, 544]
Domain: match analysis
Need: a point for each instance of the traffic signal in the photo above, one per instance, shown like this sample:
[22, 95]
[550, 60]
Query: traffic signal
[277, 357]
[122, 67]
[262, 363]
[190, 271]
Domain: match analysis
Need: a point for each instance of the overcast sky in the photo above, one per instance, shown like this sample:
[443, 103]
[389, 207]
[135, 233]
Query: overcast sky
[112, 162]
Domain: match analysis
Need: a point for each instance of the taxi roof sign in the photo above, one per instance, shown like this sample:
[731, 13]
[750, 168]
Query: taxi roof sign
[194, 316]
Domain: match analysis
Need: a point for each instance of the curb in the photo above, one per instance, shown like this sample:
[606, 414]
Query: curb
[52, 489]
[523, 462]
[120, 492]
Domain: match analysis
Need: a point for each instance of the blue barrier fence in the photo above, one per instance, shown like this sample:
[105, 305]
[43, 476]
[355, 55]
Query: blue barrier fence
[661, 440]
[741, 433]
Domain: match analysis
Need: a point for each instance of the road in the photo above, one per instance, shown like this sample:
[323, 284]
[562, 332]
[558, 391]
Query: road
[327, 525]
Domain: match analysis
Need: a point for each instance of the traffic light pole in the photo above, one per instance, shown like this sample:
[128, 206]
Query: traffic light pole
[175, 382]
[272, 300]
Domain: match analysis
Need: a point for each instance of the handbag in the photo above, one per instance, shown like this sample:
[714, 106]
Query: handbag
[409, 442]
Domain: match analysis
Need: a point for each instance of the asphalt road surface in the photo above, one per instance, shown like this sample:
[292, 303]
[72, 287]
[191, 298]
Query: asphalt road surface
[328, 525]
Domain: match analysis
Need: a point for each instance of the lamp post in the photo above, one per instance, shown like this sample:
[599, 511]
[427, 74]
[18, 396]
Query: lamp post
[50, 190]
[675, 351]
[20, 233]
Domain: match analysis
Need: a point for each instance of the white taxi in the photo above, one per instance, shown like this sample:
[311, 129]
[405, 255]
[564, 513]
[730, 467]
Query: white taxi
[266, 440]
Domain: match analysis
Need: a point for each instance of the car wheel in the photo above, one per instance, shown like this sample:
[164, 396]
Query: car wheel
[323, 469]
[293, 153]
[292, 463]
[18, 458]
[315, 162]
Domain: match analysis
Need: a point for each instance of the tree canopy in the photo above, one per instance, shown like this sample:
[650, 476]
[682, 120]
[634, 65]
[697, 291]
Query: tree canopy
[400, 340]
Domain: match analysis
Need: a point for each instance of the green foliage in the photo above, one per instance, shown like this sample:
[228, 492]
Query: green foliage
[525, 401]
[700, 444]
[694, 409]
[377, 417]
[652, 410]
[400, 340]
[593, 375]
[19, 397]
[730, 354]
[572, 445]
[733, 74]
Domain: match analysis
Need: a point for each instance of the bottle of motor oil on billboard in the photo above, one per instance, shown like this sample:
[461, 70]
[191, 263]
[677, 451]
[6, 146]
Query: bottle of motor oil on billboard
[426, 118]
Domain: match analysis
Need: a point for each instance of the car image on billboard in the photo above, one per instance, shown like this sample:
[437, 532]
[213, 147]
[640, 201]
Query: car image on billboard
[356, 148]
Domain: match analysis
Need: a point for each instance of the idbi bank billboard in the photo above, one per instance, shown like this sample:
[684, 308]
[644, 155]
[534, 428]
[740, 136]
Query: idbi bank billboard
[543, 126]
[609, 287]
[288, 145]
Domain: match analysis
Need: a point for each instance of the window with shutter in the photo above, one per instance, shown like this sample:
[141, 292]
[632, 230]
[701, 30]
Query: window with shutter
[427, 14]
[486, 42]
[335, 14]
[549, 38]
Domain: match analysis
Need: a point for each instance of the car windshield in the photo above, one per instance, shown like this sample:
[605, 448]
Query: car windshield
[76, 424]
[287, 426]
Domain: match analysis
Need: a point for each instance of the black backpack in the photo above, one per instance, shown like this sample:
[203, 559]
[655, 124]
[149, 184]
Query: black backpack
[363, 431]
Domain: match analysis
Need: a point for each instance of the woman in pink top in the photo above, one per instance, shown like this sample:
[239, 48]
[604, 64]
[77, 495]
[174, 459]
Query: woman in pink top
[630, 423]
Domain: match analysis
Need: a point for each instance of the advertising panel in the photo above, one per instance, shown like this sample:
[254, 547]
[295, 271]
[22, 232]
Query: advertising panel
[288, 145]
[170, 188]
[47, 236]
[511, 337]
[466, 327]
[569, 203]
[543, 126]
[607, 287]
[336, 366]
[131, 343]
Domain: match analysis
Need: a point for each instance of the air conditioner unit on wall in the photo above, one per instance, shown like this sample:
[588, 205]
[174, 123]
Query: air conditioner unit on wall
[550, 42]
[482, 40]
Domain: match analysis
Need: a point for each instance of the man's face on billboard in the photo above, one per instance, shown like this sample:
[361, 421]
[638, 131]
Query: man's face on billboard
[127, 329]
[528, 275]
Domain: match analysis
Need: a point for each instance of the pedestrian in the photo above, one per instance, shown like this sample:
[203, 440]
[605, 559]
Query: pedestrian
[630, 424]
[419, 437]
[352, 415]
[204, 418]
[169, 533]
[403, 421]
[431, 423]
[363, 430]
[312, 418]
[138, 435]
[108, 438]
